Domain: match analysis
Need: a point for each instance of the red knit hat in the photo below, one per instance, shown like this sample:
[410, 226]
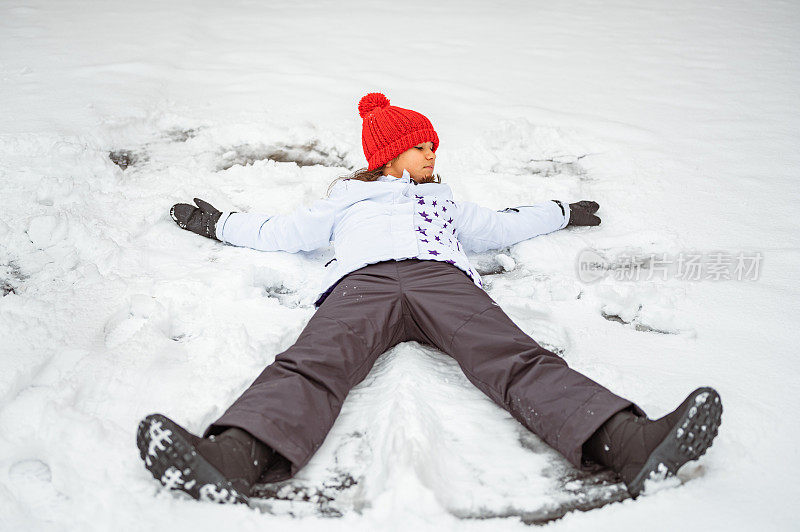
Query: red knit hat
[388, 131]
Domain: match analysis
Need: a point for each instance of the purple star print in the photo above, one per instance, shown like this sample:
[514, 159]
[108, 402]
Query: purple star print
[421, 230]
[450, 221]
[424, 240]
[448, 261]
[433, 203]
[433, 252]
[421, 201]
[423, 214]
[444, 209]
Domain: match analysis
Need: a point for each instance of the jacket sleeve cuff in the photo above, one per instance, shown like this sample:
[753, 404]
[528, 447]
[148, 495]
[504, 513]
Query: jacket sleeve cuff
[564, 208]
[219, 229]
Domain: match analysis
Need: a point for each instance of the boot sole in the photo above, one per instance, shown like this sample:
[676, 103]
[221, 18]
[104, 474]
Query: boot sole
[170, 456]
[688, 439]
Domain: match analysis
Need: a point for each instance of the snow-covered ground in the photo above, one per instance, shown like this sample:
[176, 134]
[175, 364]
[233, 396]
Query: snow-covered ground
[681, 118]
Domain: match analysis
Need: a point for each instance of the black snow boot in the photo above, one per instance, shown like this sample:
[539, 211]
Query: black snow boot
[219, 468]
[638, 449]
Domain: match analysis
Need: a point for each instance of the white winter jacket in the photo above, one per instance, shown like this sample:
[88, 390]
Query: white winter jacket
[391, 219]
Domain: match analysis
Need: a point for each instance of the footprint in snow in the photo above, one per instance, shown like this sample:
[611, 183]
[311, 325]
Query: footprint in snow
[142, 314]
[313, 152]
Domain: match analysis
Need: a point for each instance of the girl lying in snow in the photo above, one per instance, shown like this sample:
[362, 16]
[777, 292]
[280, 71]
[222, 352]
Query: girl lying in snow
[401, 274]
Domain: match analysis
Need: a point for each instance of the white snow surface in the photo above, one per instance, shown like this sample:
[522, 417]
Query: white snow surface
[681, 118]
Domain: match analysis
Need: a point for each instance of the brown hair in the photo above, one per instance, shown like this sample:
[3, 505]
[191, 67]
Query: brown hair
[362, 174]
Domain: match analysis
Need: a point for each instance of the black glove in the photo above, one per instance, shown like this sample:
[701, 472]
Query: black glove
[201, 219]
[582, 213]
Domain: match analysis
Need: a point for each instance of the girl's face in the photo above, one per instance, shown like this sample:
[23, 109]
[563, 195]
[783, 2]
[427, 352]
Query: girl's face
[418, 160]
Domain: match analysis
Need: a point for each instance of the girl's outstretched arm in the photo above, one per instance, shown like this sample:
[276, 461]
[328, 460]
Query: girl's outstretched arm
[304, 229]
[479, 228]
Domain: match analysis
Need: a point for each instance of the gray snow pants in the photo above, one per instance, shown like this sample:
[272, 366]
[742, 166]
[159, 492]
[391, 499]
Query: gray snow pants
[293, 404]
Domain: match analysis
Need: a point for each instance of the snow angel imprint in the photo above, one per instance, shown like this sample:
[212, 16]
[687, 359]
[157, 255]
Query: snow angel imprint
[401, 273]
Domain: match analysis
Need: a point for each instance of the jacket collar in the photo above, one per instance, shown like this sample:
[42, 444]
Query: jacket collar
[405, 179]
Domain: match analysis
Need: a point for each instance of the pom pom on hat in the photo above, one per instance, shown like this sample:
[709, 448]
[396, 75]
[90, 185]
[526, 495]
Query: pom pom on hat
[388, 131]
[370, 102]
